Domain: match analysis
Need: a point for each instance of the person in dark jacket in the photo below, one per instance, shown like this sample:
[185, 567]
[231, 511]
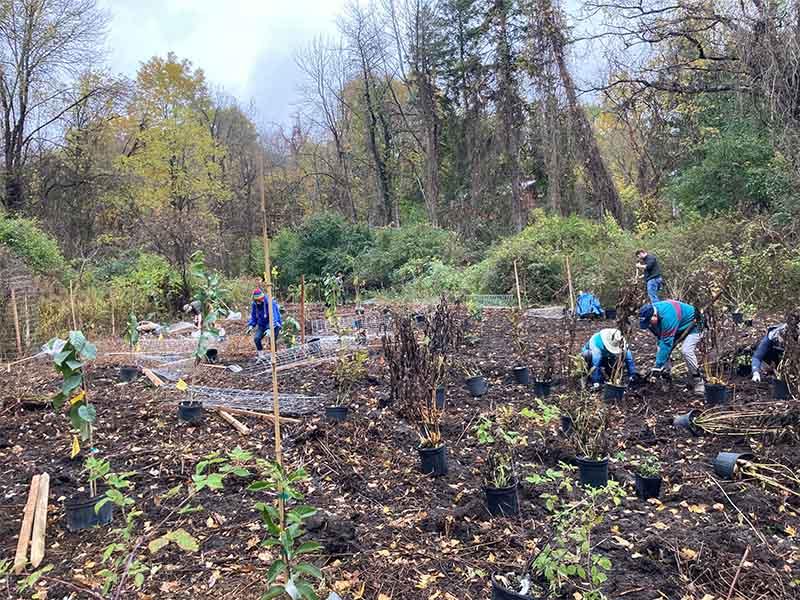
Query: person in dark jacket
[602, 351]
[651, 273]
[769, 350]
[259, 319]
[674, 322]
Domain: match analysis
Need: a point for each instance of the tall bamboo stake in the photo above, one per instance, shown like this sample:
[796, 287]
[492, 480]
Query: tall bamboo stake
[516, 280]
[569, 282]
[72, 306]
[302, 309]
[113, 321]
[276, 407]
[27, 323]
[16, 322]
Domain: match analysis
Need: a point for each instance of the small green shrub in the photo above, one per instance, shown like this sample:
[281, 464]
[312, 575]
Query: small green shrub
[26, 240]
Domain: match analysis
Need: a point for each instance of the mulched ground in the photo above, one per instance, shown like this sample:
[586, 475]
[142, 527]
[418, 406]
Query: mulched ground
[390, 532]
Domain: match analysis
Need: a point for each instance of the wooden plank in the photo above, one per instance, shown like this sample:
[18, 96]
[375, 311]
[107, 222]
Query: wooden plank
[154, 379]
[235, 423]
[259, 415]
[21, 558]
[40, 521]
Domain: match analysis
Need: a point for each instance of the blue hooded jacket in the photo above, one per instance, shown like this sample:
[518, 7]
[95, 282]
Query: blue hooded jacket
[601, 354]
[676, 319]
[260, 317]
[587, 304]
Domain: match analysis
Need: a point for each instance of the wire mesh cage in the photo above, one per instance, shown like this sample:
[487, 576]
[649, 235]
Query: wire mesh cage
[492, 300]
[19, 308]
[256, 400]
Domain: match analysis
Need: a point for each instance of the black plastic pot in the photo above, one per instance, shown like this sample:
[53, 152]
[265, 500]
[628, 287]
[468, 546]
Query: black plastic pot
[477, 386]
[566, 424]
[611, 314]
[502, 502]
[337, 414]
[81, 514]
[433, 461]
[541, 389]
[440, 398]
[521, 375]
[648, 487]
[190, 411]
[212, 355]
[737, 318]
[128, 374]
[716, 393]
[687, 422]
[420, 319]
[499, 592]
[593, 473]
[725, 463]
[780, 391]
[613, 393]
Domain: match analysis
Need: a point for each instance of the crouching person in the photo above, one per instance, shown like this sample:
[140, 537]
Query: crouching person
[769, 350]
[601, 353]
[259, 319]
[674, 323]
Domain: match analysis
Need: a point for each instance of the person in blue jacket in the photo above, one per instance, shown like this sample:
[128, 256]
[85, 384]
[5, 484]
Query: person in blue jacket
[601, 353]
[259, 319]
[769, 350]
[674, 322]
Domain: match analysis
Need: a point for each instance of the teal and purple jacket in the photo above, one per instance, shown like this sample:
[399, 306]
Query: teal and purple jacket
[676, 320]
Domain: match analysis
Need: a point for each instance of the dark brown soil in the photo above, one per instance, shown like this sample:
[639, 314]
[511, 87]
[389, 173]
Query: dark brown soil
[390, 532]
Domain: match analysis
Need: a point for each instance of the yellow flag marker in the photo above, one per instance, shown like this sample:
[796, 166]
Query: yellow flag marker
[181, 385]
[78, 398]
[76, 447]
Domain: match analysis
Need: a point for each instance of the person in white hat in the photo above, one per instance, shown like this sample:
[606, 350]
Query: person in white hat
[601, 352]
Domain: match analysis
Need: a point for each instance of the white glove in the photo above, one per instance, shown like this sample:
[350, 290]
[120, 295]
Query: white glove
[595, 386]
[757, 377]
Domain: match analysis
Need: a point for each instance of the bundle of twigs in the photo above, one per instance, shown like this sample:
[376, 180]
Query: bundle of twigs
[630, 299]
[757, 419]
[771, 475]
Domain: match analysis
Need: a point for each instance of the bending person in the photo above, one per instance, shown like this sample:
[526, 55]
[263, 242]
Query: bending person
[601, 353]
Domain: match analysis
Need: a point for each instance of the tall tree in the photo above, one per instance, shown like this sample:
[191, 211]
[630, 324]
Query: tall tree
[44, 45]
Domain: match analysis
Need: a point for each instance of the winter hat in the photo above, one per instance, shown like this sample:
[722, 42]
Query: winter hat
[645, 314]
[612, 339]
[258, 295]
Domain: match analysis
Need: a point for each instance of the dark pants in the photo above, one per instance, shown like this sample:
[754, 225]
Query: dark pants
[260, 333]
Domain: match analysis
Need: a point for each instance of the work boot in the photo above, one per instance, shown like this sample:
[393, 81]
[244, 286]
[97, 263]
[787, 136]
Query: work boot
[260, 355]
[699, 386]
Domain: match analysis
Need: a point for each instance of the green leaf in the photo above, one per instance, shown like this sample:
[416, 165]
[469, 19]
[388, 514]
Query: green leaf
[275, 591]
[158, 543]
[309, 569]
[101, 504]
[278, 567]
[60, 357]
[257, 486]
[71, 383]
[184, 540]
[87, 413]
[138, 580]
[73, 364]
[306, 591]
[307, 547]
[191, 509]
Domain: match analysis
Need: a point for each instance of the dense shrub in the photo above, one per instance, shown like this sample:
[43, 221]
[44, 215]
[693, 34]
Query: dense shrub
[28, 242]
[401, 254]
[149, 287]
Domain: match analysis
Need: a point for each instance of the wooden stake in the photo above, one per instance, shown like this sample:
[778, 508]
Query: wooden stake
[72, 306]
[259, 415]
[569, 282]
[516, 280]
[236, 424]
[276, 408]
[154, 379]
[21, 558]
[16, 322]
[27, 323]
[40, 521]
[113, 322]
[302, 309]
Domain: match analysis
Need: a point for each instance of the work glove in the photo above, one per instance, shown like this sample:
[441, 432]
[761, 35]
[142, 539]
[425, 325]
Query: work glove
[756, 377]
[595, 386]
[249, 329]
[656, 373]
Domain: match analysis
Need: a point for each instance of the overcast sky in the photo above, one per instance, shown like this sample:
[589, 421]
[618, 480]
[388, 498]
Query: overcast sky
[245, 46]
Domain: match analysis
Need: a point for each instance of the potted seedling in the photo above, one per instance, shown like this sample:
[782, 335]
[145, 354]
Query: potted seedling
[543, 375]
[648, 478]
[614, 388]
[516, 322]
[743, 364]
[70, 359]
[350, 368]
[129, 373]
[715, 368]
[208, 296]
[476, 383]
[588, 437]
[500, 477]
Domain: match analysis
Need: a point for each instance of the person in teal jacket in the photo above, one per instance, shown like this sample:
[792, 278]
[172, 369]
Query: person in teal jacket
[601, 353]
[673, 323]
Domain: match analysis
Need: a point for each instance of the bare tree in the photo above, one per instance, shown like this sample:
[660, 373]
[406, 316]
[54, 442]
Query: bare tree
[44, 45]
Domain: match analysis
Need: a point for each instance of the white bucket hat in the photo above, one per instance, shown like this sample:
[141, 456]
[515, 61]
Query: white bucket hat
[612, 340]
